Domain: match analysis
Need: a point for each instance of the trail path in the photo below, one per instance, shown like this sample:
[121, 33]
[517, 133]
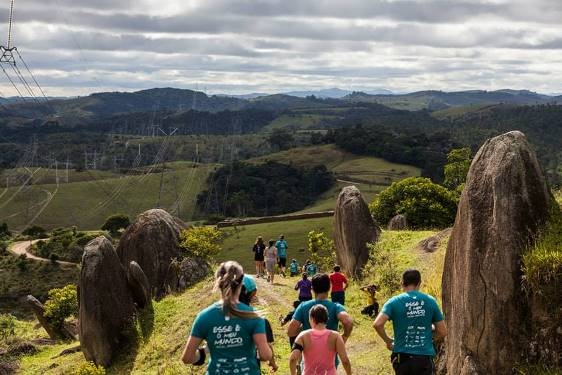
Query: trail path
[22, 247]
[277, 300]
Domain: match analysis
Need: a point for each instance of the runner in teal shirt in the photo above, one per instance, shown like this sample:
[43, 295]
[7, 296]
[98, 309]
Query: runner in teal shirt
[230, 340]
[415, 317]
[232, 330]
[282, 246]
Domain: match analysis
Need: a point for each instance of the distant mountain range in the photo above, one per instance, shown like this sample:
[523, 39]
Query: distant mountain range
[78, 110]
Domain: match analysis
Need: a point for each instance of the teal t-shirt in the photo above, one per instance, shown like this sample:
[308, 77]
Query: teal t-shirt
[294, 267]
[230, 340]
[412, 314]
[311, 270]
[301, 313]
[281, 246]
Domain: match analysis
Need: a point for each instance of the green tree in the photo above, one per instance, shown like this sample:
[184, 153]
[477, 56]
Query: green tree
[35, 231]
[115, 223]
[7, 326]
[4, 231]
[203, 242]
[281, 139]
[322, 250]
[425, 204]
[456, 169]
[61, 304]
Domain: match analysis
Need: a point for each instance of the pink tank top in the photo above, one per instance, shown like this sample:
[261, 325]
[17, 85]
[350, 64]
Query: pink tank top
[319, 359]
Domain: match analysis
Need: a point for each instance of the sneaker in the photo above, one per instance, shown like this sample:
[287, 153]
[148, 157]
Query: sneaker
[267, 278]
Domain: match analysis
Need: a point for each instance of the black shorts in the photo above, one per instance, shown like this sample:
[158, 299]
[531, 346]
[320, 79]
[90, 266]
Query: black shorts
[282, 262]
[408, 364]
[258, 257]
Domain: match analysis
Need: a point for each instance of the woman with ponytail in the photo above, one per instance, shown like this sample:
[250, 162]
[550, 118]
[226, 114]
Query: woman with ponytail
[231, 329]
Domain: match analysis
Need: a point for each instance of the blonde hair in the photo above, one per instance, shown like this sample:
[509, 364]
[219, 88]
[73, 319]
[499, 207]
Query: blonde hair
[228, 279]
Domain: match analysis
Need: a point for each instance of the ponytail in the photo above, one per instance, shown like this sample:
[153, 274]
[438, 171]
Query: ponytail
[228, 279]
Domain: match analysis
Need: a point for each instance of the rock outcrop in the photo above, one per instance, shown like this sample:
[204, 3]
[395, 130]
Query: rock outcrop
[138, 285]
[152, 241]
[504, 203]
[398, 222]
[354, 227]
[106, 304]
[183, 274]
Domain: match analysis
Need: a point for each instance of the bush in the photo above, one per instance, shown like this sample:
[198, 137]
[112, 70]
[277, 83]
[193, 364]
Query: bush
[3, 248]
[7, 326]
[542, 265]
[61, 304]
[425, 204]
[54, 257]
[201, 242]
[90, 368]
[22, 262]
[35, 231]
[322, 250]
[4, 232]
[115, 223]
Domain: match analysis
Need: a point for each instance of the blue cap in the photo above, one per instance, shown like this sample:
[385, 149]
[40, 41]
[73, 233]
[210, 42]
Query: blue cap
[249, 283]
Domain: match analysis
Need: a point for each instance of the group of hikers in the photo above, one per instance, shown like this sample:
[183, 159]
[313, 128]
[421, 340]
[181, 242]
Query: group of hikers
[238, 337]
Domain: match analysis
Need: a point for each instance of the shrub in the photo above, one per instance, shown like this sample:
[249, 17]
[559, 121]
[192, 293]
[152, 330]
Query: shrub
[4, 232]
[201, 242]
[35, 231]
[90, 368]
[542, 264]
[3, 247]
[22, 262]
[115, 223]
[61, 304]
[322, 250]
[54, 257]
[7, 326]
[425, 204]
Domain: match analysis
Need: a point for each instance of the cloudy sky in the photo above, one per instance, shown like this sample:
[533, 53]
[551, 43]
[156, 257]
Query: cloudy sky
[75, 47]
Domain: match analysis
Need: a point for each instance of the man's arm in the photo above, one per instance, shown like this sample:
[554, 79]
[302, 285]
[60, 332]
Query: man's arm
[380, 321]
[440, 329]
[347, 322]
[293, 328]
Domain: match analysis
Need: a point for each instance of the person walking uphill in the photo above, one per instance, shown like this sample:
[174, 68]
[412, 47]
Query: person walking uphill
[231, 329]
[304, 286]
[413, 314]
[319, 346]
[336, 312]
[339, 285]
[258, 249]
[271, 259]
[282, 247]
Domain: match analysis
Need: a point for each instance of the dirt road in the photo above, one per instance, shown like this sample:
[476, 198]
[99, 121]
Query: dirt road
[22, 247]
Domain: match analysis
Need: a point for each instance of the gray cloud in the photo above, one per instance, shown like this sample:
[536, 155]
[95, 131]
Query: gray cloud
[274, 45]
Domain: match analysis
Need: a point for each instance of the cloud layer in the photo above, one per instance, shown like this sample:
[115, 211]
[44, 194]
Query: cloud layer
[75, 47]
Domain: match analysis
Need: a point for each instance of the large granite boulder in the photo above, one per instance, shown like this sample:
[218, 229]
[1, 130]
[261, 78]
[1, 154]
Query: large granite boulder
[183, 274]
[504, 203]
[152, 241]
[106, 304]
[398, 222]
[138, 285]
[354, 227]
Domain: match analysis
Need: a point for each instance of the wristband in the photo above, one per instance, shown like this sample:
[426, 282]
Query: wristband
[201, 360]
[297, 346]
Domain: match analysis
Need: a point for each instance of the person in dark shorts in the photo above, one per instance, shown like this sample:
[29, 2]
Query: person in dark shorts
[294, 268]
[372, 308]
[282, 247]
[339, 285]
[416, 318]
[258, 249]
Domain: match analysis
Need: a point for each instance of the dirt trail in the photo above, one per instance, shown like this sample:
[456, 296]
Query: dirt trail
[22, 247]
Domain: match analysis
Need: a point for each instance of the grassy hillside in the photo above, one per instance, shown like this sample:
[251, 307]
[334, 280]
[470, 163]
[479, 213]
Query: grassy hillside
[88, 203]
[36, 278]
[371, 175]
[159, 352]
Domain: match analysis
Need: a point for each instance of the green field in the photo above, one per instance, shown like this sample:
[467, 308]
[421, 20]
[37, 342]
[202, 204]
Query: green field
[87, 204]
[298, 121]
